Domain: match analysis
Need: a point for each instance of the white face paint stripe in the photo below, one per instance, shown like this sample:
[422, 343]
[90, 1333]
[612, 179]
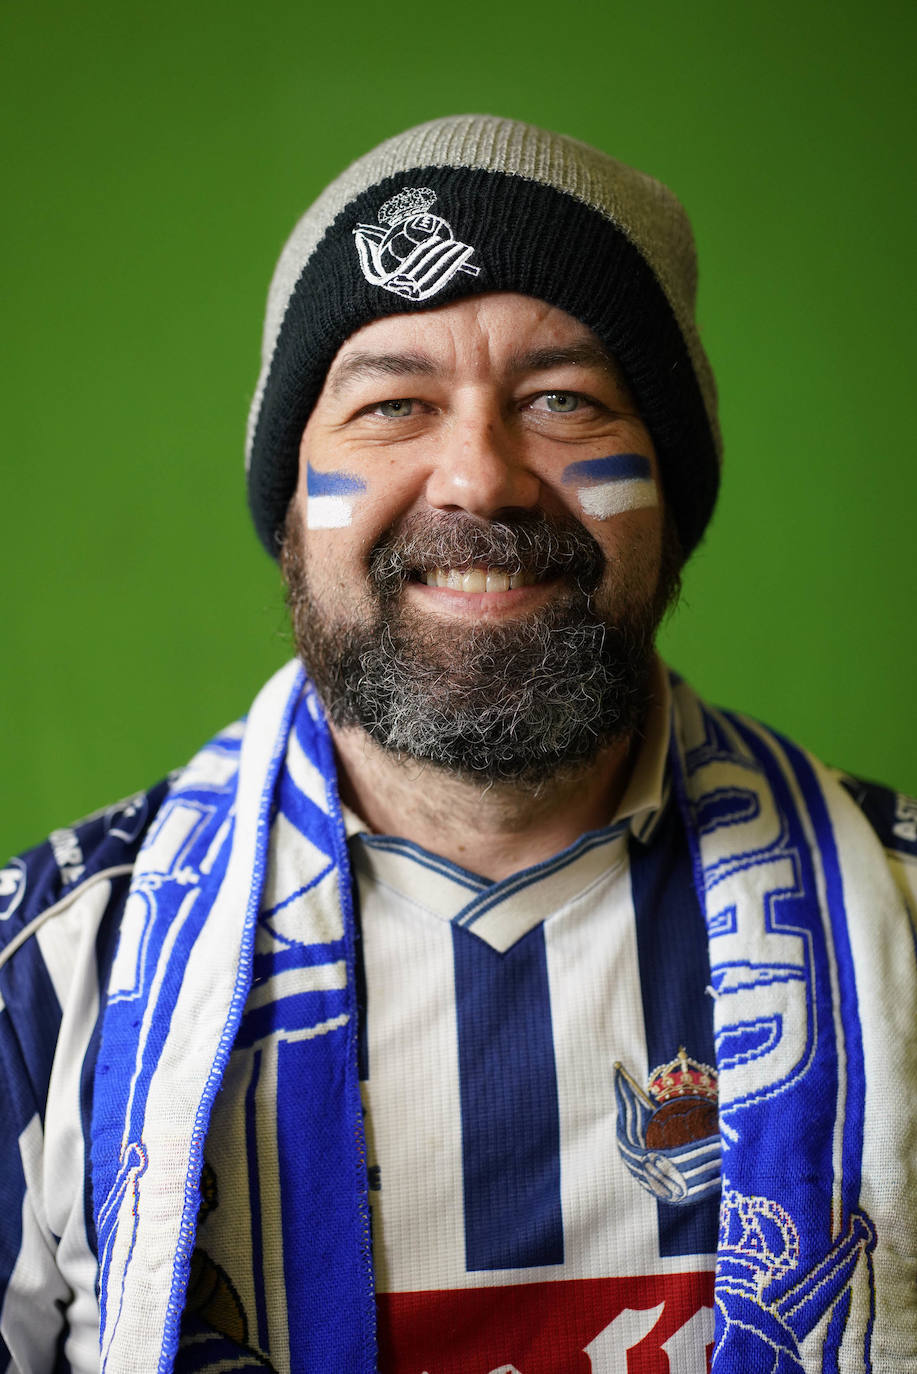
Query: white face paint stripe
[328, 512]
[611, 498]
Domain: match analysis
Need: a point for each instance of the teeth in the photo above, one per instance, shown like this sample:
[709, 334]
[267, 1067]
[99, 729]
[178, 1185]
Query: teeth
[477, 580]
[497, 582]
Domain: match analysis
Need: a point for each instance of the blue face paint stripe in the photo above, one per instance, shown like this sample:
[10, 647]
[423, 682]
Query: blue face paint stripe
[510, 1115]
[619, 467]
[674, 975]
[332, 483]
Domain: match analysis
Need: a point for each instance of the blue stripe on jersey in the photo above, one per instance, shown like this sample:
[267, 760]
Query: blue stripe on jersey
[677, 1010]
[19, 1107]
[26, 982]
[510, 1117]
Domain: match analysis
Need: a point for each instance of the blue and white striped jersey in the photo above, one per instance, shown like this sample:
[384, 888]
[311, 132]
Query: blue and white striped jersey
[535, 1060]
[493, 1016]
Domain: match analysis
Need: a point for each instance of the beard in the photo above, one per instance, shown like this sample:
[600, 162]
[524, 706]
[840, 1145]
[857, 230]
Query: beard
[518, 702]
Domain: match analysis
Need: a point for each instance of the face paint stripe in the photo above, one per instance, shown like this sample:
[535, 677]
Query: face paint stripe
[611, 498]
[332, 483]
[328, 512]
[608, 486]
[616, 468]
[331, 498]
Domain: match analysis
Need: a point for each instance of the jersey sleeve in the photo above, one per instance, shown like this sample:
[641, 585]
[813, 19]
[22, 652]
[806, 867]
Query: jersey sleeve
[60, 908]
[33, 1293]
[893, 816]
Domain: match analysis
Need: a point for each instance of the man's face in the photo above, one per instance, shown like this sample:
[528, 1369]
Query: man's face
[476, 549]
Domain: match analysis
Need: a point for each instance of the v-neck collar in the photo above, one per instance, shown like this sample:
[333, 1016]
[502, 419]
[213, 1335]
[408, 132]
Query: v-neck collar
[501, 913]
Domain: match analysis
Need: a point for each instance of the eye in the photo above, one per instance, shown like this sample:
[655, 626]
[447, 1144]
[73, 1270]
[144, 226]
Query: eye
[559, 402]
[399, 409]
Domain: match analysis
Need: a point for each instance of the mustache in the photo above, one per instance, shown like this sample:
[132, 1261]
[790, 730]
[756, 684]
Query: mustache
[542, 546]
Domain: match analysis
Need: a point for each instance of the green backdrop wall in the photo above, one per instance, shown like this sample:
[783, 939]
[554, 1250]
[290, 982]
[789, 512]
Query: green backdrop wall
[155, 158]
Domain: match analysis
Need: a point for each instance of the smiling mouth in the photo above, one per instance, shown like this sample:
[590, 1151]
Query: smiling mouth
[454, 552]
[477, 579]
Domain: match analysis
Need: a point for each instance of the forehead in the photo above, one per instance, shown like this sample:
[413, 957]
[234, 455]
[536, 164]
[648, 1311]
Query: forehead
[494, 332]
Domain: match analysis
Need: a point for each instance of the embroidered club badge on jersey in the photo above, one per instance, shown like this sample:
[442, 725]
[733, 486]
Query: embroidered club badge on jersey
[668, 1135]
[411, 252]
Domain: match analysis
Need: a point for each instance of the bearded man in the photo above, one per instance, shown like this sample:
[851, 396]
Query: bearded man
[469, 1004]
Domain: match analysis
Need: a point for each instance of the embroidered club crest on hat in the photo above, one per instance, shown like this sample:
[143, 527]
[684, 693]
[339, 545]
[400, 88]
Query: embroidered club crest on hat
[417, 254]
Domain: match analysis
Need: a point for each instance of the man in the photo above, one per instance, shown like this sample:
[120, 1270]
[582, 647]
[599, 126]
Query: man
[469, 1003]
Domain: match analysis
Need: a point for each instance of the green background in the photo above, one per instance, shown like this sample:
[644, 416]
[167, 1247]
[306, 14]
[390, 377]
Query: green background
[155, 158]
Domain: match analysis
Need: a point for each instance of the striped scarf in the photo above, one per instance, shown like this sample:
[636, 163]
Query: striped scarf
[812, 975]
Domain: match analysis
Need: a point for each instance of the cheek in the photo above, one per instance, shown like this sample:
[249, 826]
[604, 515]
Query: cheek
[605, 487]
[332, 498]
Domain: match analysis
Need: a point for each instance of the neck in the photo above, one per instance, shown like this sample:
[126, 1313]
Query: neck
[492, 829]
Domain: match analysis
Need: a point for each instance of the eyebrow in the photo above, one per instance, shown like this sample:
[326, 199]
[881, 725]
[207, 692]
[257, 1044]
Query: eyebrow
[583, 354]
[361, 366]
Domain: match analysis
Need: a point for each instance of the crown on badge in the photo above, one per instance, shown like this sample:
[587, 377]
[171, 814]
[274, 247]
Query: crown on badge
[682, 1077]
[413, 200]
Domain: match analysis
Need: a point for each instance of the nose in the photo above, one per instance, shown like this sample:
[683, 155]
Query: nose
[481, 468]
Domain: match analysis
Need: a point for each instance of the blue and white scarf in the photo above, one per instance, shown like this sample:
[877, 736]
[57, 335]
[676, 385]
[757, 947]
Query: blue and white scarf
[814, 987]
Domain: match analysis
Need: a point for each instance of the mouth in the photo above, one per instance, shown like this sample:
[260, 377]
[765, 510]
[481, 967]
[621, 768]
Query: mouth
[476, 580]
[461, 563]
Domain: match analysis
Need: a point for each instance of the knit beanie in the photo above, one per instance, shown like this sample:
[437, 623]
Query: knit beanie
[471, 204]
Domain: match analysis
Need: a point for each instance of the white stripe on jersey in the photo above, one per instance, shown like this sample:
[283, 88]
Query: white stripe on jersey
[65, 1164]
[35, 1282]
[414, 1119]
[610, 1225]
[49, 1270]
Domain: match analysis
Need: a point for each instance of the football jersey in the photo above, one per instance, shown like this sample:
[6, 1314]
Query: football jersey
[509, 1231]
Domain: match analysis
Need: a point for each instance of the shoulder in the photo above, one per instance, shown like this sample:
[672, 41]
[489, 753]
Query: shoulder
[712, 732]
[77, 860]
[72, 862]
[60, 911]
[892, 815]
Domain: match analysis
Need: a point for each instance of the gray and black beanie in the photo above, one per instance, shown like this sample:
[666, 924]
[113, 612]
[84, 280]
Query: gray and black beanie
[471, 204]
